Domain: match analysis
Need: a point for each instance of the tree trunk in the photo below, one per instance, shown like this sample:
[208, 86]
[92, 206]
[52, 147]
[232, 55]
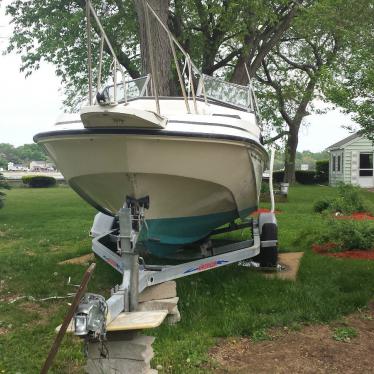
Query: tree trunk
[290, 154]
[160, 45]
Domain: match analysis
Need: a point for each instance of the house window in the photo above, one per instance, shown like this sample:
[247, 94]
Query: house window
[334, 163]
[366, 164]
[339, 161]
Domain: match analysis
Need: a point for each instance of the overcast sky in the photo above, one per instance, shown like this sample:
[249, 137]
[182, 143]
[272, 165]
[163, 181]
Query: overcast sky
[31, 105]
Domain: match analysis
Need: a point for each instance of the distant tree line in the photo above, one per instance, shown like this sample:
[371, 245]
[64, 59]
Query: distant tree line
[20, 155]
[302, 158]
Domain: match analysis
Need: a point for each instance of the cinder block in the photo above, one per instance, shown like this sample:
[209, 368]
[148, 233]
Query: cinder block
[164, 290]
[117, 366]
[174, 311]
[173, 317]
[161, 304]
[121, 350]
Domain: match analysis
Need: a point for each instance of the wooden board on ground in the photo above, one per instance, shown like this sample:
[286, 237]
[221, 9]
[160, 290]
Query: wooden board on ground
[291, 262]
[132, 321]
[79, 260]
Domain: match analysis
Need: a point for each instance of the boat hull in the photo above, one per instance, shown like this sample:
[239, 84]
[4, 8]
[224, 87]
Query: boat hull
[194, 183]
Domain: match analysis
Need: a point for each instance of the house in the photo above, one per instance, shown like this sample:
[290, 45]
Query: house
[41, 166]
[16, 167]
[351, 161]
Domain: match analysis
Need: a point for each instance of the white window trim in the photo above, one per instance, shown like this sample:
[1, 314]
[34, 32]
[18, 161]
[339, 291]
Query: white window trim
[359, 168]
[336, 155]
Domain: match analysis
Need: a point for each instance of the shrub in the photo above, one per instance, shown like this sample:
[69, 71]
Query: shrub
[305, 176]
[322, 205]
[322, 171]
[3, 186]
[339, 235]
[348, 234]
[38, 181]
[302, 176]
[348, 201]
[265, 187]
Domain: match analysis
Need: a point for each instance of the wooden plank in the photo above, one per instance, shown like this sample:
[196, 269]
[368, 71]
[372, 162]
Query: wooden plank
[138, 320]
[131, 321]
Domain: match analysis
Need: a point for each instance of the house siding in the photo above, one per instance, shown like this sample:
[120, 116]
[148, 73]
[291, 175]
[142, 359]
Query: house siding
[351, 152]
[357, 146]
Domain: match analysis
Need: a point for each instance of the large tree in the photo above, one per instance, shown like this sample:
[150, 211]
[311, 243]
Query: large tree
[220, 35]
[351, 86]
[297, 70]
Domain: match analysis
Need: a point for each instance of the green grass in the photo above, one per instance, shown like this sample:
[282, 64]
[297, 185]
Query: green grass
[40, 227]
[344, 334]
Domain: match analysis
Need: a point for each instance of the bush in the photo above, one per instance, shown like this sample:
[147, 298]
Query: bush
[38, 181]
[322, 205]
[322, 171]
[302, 176]
[348, 234]
[265, 187]
[337, 235]
[3, 186]
[348, 201]
[305, 176]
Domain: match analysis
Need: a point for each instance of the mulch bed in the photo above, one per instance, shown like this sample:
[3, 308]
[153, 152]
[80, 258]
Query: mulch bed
[362, 216]
[263, 210]
[324, 249]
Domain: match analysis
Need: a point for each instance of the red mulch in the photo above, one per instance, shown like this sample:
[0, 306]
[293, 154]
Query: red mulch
[323, 249]
[355, 254]
[357, 217]
[263, 210]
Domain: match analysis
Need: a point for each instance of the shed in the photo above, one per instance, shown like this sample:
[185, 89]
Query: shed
[351, 161]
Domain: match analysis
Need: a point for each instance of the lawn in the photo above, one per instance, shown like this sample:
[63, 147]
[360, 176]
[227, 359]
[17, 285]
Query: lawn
[41, 227]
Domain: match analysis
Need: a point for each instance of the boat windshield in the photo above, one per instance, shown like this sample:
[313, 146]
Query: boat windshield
[132, 89]
[230, 93]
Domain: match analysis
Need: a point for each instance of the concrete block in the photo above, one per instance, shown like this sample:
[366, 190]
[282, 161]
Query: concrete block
[117, 366]
[161, 304]
[164, 290]
[174, 311]
[121, 350]
[173, 317]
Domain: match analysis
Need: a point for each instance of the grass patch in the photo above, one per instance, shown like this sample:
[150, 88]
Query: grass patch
[40, 228]
[344, 334]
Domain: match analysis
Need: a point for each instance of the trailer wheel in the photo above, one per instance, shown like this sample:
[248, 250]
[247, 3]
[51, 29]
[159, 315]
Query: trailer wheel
[268, 256]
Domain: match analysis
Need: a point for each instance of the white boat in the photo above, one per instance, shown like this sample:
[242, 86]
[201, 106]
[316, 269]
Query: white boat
[198, 157]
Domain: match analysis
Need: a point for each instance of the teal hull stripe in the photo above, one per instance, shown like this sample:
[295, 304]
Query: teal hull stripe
[166, 235]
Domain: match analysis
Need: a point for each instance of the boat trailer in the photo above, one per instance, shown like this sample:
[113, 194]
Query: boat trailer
[118, 247]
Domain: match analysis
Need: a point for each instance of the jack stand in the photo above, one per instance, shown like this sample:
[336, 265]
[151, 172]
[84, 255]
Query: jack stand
[125, 297]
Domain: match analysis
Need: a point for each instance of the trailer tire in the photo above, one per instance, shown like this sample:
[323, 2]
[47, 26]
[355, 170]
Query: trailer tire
[268, 256]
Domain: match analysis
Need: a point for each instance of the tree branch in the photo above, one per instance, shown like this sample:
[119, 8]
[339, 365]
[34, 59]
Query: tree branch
[222, 62]
[278, 90]
[275, 138]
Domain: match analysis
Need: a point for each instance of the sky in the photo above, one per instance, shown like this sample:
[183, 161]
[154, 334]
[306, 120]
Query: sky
[31, 105]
